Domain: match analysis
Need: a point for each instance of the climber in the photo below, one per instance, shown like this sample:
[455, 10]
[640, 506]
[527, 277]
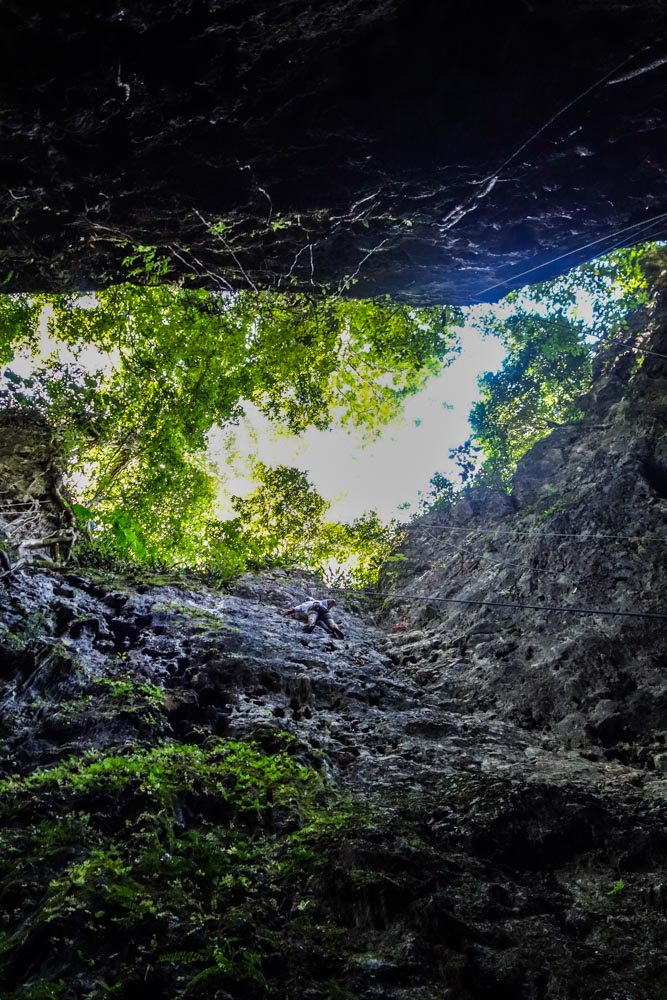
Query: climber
[315, 613]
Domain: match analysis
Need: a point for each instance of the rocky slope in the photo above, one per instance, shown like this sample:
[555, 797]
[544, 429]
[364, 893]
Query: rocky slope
[198, 799]
[162, 832]
[437, 151]
[585, 527]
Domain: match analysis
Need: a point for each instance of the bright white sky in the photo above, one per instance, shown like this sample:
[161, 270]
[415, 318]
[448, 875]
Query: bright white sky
[381, 475]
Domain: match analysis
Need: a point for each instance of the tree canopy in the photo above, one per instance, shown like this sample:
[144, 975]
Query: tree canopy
[150, 370]
[551, 338]
[550, 331]
[547, 367]
[134, 378]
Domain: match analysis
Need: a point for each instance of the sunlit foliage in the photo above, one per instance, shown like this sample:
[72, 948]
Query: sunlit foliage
[548, 366]
[169, 364]
[138, 377]
[18, 324]
[550, 331]
[283, 521]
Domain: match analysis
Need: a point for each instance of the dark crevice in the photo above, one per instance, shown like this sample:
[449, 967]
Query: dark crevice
[655, 475]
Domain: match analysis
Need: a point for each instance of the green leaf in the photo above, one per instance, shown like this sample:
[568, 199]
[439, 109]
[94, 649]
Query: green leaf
[83, 513]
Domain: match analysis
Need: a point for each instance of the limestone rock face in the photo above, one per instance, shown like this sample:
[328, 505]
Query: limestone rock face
[436, 151]
[585, 528]
[31, 504]
[446, 853]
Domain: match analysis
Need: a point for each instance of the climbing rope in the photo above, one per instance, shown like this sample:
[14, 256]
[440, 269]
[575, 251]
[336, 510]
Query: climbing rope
[547, 534]
[641, 227]
[654, 354]
[562, 609]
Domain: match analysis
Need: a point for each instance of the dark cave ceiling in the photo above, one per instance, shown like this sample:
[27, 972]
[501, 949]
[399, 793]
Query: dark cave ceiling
[436, 151]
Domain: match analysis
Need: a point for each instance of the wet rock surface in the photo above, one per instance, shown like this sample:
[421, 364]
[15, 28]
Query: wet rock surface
[436, 151]
[484, 859]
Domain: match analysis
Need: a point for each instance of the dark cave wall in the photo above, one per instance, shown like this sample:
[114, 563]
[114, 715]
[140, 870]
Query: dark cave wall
[436, 151]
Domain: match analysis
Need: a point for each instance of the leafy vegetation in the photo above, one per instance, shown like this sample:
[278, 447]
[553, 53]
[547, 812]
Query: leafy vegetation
[168, 866]
[551, 332]
[283, 522]
[550, 348]
[18, 324]
[150, 370]
[140, 375]
[617, 888]
[548, 366]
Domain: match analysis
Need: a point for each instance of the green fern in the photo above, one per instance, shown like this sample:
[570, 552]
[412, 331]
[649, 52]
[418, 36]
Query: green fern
[207, 973]
[182, 957]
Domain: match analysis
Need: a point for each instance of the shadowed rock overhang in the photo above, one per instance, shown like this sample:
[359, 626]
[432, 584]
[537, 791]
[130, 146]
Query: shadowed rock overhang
[437, 151]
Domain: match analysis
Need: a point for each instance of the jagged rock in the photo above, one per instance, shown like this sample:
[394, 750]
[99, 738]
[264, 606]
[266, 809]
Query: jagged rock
[31, 503]
[26, 457]
[438, 151]
[486, 857]
[537, 469]
[481, 502]
[465, 800]
[590, 532]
